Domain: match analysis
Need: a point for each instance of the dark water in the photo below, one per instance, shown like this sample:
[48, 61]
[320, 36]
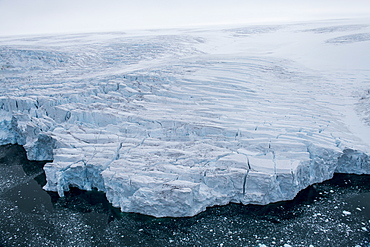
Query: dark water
[334, 213]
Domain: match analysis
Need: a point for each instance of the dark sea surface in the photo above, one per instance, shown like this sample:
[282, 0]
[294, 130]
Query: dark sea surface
[334, 213]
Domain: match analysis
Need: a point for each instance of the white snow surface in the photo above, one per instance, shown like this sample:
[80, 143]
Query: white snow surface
[170, 122]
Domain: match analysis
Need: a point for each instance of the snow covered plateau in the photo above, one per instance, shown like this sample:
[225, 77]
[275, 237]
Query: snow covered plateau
[170, 122]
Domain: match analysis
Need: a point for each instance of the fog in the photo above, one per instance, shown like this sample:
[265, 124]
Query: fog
[51, 16]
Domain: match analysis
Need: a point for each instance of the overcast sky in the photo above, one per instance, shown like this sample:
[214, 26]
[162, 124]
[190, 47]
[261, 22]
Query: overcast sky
[60, 16]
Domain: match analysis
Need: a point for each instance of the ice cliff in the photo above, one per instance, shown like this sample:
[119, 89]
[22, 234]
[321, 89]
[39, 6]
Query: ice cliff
[169, 124]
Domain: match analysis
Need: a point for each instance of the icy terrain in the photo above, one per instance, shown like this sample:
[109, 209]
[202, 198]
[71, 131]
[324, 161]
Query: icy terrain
[167, 123]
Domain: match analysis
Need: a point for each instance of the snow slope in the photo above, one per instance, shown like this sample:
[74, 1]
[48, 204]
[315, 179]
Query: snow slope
[168, 123]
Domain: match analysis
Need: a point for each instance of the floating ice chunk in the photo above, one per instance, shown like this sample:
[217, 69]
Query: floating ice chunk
[346, 213]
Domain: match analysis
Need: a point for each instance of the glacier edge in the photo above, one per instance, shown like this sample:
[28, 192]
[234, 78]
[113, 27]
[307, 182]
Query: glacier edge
[167, 125]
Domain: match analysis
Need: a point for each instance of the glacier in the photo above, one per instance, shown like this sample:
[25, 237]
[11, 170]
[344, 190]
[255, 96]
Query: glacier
[170, 122]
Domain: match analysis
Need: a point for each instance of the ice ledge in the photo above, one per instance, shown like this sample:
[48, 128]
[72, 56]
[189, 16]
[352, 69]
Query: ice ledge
[172, 168]
[177, 191]
[353, 162]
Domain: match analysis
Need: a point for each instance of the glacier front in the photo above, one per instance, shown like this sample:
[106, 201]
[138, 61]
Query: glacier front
[168, 123]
